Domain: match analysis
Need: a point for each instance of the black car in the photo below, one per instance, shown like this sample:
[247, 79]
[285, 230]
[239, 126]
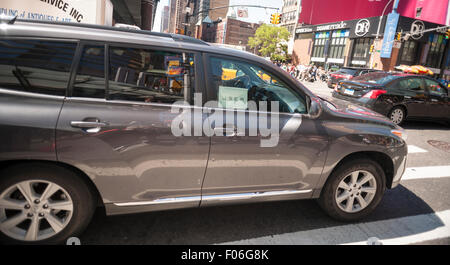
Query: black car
[347, 73]
[398, 96]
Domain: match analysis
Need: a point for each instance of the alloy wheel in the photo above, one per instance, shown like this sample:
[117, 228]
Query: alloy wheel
[356, 191]
[34, 210]
[397, 116]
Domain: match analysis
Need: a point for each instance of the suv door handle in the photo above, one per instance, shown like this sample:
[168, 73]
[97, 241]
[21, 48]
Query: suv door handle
[89, 126]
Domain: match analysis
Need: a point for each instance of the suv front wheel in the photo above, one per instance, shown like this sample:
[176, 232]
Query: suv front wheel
[43, 204]
[353, 190]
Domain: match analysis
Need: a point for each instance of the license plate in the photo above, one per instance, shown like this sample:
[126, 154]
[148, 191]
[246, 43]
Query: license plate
[349, 91]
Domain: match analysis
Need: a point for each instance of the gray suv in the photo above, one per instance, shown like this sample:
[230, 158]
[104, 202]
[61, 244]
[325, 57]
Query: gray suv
[136, 121]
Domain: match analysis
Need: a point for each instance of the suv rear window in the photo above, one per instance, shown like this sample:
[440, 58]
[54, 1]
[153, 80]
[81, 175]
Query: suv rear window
[381, 78]
[347, 71]
[39, 66]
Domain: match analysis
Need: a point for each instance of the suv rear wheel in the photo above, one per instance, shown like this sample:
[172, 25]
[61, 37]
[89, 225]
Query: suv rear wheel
[43, 204]
[353, 190]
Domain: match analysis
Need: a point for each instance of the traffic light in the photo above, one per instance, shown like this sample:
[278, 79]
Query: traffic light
[275, 18]
[399, 36]
[371, 48]
[447, 34]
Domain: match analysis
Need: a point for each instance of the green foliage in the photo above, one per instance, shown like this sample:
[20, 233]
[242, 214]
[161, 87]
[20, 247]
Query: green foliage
[271, 41]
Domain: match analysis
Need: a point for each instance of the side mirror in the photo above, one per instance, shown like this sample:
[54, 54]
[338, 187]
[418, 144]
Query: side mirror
[315, 108]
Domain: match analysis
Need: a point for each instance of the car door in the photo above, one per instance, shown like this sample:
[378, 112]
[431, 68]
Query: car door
[33, 80]
[122, 136]
[414, 96]
[248, 160]
[438, 105]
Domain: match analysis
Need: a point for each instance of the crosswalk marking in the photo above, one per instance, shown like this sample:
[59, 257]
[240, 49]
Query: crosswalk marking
[404, 230]
[426, 172]
[417, 228]
[412, 149]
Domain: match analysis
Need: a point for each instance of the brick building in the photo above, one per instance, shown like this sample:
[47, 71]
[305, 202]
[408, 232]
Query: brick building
[229, 30]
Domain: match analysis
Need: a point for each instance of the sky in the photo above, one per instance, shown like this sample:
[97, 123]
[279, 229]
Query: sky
[255, 15]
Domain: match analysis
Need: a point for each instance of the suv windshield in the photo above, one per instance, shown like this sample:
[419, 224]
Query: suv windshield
[376, 77]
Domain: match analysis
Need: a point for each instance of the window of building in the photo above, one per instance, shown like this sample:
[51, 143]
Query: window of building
[361, 50]
[150, 75]
[338, 40]
[320, 41]
[39, 66]
[409, 52]
[90, 78]
[436, 44]
[418, 12]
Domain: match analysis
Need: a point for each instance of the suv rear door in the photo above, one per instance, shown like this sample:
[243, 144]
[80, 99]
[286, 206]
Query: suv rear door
[120, 132]
[34, 74]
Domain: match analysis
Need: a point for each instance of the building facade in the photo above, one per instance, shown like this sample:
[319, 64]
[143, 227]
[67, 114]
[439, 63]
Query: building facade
[165, 19]
[229, 31]
[354, 42]
[289, 14]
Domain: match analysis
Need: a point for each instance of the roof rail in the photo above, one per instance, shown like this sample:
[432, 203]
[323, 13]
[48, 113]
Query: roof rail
[175, 37]
[8, 19]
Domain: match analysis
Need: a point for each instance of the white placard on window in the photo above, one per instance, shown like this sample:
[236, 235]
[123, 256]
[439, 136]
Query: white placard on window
[233, 97]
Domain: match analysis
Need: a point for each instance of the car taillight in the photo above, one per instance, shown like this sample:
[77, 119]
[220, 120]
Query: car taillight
[341, 76]
[374, 93]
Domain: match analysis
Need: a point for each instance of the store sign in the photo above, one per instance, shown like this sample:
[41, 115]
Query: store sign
[303, 30]
[417, 28]
[389, 35]
[83, 11]
[362, 27]
[340, 25]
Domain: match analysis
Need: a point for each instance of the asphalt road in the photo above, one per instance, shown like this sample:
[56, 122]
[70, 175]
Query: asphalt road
[416, 212]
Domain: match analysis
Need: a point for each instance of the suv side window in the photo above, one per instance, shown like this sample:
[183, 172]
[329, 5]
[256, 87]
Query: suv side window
[90, 79]
[238, 82]
[413, 84]
[145, 75]
[434, 87]
[39, 66]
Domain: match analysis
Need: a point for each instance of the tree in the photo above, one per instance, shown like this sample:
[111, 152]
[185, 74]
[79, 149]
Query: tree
[271, 41]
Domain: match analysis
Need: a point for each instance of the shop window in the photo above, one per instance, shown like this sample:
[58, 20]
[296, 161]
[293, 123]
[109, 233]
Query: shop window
[435, 54]
[338, 39]
[361, 48]
[409, 52]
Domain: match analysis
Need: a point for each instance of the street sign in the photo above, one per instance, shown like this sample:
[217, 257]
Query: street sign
[389, 35]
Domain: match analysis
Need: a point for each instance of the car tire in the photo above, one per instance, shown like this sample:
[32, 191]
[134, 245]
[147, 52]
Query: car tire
[397, 115]
[71, 202]
[332, 192]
